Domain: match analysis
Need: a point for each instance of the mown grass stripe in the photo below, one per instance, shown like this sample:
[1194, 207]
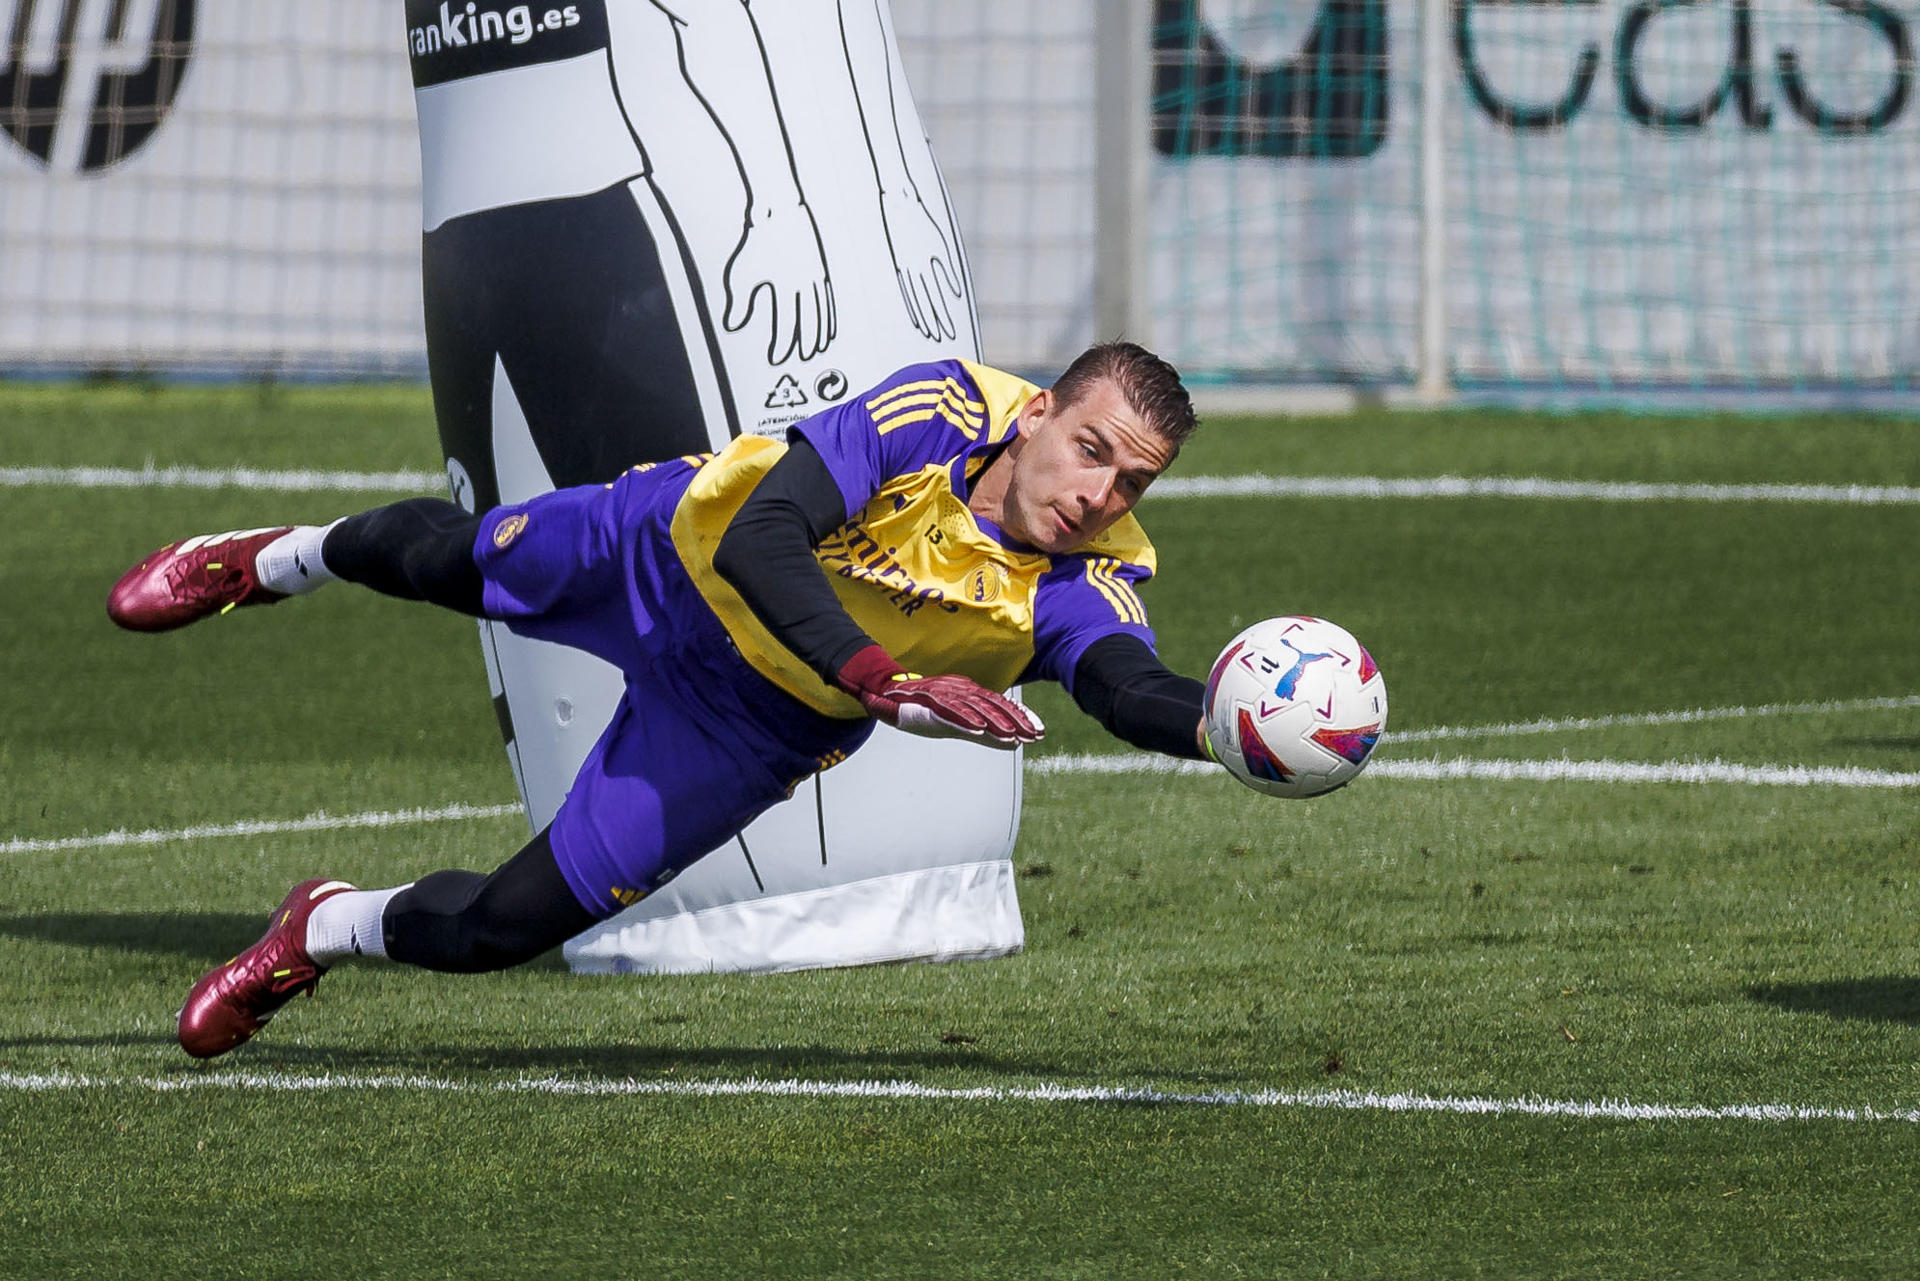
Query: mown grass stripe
[1547, 771]
[407, 480]
[1698, 714]
[1714, 771]
[600, 1087]
[1551, 771]
[404, 481]
[316, 822]
[1528, 487]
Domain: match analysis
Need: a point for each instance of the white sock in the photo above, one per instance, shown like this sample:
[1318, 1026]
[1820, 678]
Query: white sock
[347, 925]
[291, 564]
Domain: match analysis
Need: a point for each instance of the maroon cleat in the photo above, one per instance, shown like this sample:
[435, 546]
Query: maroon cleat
[186, 581]
[230, 1004]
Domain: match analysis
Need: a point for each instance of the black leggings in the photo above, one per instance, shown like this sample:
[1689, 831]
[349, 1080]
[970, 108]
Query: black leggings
[455, 922]
[467, 923]
[416, 549]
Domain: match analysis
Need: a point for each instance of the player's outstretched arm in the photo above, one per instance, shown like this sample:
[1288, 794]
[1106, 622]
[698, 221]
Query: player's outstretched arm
[1124, 685]
[766, 555]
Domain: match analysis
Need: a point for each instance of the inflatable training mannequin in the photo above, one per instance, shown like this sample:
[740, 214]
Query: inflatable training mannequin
[650, 226]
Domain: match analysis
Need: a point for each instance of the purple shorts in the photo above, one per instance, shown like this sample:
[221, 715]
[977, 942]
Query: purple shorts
[700, 743]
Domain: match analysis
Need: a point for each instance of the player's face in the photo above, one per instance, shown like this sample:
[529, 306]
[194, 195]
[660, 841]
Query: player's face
[1081, 466]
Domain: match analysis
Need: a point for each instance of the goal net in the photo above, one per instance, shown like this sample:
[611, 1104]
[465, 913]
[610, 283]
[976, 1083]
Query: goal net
[1633, 193]
[1678, 195]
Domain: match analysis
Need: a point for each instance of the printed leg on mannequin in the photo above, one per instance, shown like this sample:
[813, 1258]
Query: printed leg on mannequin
[571, 297]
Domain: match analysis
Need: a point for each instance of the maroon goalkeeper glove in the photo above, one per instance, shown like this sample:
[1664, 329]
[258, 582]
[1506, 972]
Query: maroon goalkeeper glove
[935, 706]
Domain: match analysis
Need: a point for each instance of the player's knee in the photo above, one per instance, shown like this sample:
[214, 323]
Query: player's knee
[445, 922]
[416, 549]
[488, 946]
[465, 923]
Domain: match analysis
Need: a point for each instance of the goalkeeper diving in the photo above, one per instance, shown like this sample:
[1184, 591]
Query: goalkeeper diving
[901, 557]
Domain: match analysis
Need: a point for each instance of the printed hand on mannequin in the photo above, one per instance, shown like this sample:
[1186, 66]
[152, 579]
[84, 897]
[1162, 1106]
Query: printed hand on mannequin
[779, 255]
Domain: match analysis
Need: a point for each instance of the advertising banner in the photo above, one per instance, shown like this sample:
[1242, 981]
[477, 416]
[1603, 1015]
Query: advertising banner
[1636, 190]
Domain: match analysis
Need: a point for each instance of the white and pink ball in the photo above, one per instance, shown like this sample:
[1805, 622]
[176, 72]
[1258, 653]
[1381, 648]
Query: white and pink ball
[1294, 706]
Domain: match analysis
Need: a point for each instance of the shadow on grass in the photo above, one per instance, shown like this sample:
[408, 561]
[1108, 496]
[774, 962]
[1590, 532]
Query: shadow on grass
[208, 938]
[1885, 742]
[619, 1062]
[105, 1041]
[204, 939]
[636, 1062]
[1891, 998]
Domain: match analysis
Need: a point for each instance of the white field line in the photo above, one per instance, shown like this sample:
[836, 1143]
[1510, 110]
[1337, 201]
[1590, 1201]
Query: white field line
[1533, 487]
[1251, 486]
[1555, 771]
[592, 1087]
[319, 822]
[1715, 771]
[1649, 718]
[1147, 763]
[152, 477]
[1551, 771]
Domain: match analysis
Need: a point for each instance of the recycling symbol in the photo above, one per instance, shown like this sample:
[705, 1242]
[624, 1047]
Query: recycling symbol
[786, 394]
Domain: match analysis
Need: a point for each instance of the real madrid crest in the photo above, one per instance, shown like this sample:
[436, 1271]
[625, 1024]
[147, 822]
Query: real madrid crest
[509, 529]
[985, 583]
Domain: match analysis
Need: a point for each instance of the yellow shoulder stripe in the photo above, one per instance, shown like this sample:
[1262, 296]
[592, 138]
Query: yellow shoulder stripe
[1126, 541]
[926, 389]
[891, 393]
[950, 402]
[1104, 573]
[947, 390]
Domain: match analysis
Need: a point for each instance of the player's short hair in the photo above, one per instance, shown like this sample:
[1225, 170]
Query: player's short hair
[1150, 385]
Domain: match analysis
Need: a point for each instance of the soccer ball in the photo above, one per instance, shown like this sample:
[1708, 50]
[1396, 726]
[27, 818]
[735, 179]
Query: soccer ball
[1294, 706]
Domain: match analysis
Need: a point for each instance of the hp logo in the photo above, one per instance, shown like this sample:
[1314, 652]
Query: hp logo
[83, 83]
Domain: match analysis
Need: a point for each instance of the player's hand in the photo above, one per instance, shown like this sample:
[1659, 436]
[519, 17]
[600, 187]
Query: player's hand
[935, 706]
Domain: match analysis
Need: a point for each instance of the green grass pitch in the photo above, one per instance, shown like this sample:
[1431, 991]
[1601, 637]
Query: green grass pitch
[1680, 945]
